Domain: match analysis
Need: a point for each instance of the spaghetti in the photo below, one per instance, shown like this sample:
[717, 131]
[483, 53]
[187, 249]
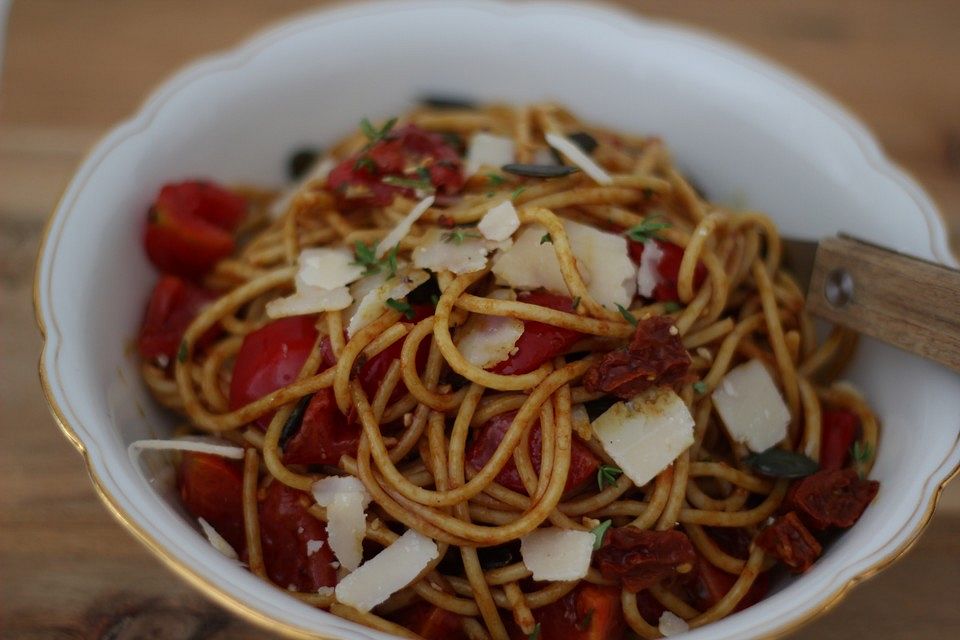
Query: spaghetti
[476, 452]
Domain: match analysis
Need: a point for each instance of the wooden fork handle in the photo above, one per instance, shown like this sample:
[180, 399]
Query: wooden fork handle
[903, 301]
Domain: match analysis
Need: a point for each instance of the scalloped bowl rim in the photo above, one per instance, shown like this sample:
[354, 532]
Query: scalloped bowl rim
[241, 600]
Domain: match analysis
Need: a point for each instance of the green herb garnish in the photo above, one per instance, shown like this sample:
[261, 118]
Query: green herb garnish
[535, 634]
[576, 303]
[516, 192]
[780, 463]
[457, 236]
[366, 256]
[435, 299]
[700, 387]
[365, 162]
[672, 307]
[391, 262]
[599, 532]
[402, 306]
[607, 475]
[417, 184]
[629, 317]
[861, 453]
[647, 229]
[546, 238]
[495, 179]
[182, 352]
[373, 134]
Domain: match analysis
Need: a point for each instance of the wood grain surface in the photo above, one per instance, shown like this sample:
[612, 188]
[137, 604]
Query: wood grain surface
[73, 68]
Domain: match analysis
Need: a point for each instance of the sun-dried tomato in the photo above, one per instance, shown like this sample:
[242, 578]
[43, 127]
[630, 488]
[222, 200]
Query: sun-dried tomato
[640, 559]
[830, 498]
[654, 358]
[791, 542]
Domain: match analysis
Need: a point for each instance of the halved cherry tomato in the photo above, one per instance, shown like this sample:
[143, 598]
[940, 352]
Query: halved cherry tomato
[211, 487]
[583, 464]
[589, 612]
[668, 269]
[711, 584]
[838, 431]
[270, 358]
[173, 305]
[406, 154]
[285, 529]
[190, 227]
[539, 342]
[324, 435]
[431, 622]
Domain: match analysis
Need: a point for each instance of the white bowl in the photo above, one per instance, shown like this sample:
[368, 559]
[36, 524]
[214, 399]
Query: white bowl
[745, 129]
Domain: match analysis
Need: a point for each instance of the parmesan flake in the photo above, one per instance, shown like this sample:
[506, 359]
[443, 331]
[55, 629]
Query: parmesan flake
[374, 302]
[216, 540]
[644, 436]
[671, 624]
[345, 499]
[500, 222]
[197, 444]
[575, 154]
[557, 554]
[389, 571]
[751, 407]
[488, 150]
[403, 227]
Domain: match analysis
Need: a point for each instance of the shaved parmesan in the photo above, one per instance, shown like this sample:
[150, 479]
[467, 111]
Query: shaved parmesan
[218, 541]
[499, 222]
[197, 444]
[345, 499]
[403, 227]
[486, 150]
[319, 171]
[602, 260]
[389, 571]
[321, 282]
[313, 546]
[488, 340]
[648, 276]
[644, 436]
[750, 406]
[328, 268]
[374, 302]
[438, 252]
[575, 154]
[309, 300]
[557, 554]
[671, 624]
[544, 156]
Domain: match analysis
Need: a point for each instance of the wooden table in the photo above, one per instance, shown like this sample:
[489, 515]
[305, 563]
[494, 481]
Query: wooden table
[73, 69]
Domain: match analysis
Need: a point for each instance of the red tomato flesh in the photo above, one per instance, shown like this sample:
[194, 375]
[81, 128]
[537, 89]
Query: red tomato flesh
[270, 358]
[211, 487]
[539, 342]
[190, 227]
[711, 584]
[285, 529]
[408, 153]
[324, 435]
[486, 439]
[173, 305]
[668, 269]
[838, 431]
[589, 612]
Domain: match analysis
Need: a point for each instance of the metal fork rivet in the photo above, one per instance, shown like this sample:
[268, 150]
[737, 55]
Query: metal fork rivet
[839, 287]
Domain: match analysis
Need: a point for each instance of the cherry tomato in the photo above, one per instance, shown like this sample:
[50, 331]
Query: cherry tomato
[539, 342]
[285, 529]
[431, 622]
[711, 584]
[190, 227]
[211, 487]
[589, 612]
[405, 154]
[173, 305]
[271, 358]
[668, 269]
[839, 429]
[583, 464]
[324, 435]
